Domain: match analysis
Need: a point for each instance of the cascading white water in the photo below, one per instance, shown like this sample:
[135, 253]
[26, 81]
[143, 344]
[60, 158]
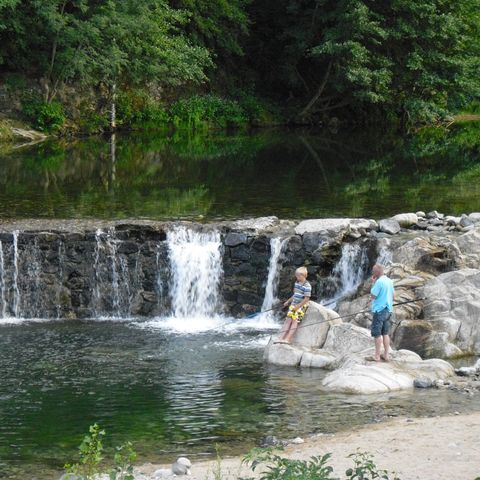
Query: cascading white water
[350, 270]
[16, 290]
[111, 246]
[2, 283]
[384, 253]
[159, 284]
[276, 246]
[196, 272]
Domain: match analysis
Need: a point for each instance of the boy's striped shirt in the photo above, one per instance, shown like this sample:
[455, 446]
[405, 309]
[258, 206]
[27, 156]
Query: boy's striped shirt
[300, 291]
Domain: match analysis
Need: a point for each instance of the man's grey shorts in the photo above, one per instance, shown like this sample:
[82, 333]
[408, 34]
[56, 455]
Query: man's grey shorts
[381, 323]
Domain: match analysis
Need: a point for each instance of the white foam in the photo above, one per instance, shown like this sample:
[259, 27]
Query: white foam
[202, 324]
[21, 321]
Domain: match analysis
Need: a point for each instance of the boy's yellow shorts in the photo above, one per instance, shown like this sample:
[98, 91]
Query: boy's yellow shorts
[297, 315]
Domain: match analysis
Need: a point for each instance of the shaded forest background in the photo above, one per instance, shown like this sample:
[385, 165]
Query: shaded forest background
[87, 64]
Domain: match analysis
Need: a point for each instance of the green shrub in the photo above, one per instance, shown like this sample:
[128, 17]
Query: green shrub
[276, 467]
[91, 456]
[47, 117]
[280, 468]
[135, 108]
[90, 451]
[91, 121]
[207, 111]
[365, 469]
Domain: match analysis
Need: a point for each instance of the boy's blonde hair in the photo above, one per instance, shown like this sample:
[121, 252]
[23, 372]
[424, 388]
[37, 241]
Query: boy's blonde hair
[302, 271]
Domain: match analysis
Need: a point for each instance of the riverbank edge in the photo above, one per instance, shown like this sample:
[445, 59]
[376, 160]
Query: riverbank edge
[437, 448]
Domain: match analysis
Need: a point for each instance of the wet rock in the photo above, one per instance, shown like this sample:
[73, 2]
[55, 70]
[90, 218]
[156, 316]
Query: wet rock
[269, 441]
[475, 217]
[423, 383]
[406, 219]
[234, 239]
[435, 214]
[466, 221]
[389, 226]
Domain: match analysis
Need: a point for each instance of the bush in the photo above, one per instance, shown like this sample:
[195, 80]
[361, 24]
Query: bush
[47, 117]
[207, 111]
[91, 456]
[316, 468]
[135, 108]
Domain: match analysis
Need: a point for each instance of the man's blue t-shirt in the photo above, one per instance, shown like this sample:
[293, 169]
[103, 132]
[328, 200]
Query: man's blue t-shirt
[383, 291]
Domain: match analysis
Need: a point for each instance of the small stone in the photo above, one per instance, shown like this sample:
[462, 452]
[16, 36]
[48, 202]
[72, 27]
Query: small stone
[269, 441]
[422, 225]
[163, 473]
[435, 214]
[421, 214]
[451, 220]
[456, 413]
[422, 383]
[298, 441]
[182, 466]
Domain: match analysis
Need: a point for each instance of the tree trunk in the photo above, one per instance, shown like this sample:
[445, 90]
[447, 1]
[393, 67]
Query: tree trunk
[50, 92]
[113, 107]
[315, 98]
[113, 162]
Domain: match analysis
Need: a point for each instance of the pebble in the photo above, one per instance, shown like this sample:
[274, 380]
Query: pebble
[298, 441]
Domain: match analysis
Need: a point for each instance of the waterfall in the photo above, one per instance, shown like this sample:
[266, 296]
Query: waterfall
[384, 252]
[2, 283]
[117, 283]
[196, 272]
[350, 270]
[111, 249]
[16, 290]
[276, 246]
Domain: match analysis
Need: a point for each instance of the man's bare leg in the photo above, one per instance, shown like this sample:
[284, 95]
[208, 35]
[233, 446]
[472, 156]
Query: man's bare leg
[378, 348]
[386, 346]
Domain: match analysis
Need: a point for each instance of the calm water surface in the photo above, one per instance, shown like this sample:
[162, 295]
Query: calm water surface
[168, 391]
[291, 174]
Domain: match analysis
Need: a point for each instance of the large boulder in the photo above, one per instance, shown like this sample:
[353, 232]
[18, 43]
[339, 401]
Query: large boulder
[307, 341]
[428, 254]
[469, 246]
[452, 307]
[362, 377]
[315, 326]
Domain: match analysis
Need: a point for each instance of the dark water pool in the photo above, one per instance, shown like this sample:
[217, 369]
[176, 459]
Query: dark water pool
[290, 174]
[170, 388]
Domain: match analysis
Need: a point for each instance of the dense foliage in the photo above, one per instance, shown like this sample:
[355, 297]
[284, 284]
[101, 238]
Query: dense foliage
[363, 60]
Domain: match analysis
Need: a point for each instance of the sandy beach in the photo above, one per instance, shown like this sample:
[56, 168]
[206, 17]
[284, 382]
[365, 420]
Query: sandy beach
[440, 448]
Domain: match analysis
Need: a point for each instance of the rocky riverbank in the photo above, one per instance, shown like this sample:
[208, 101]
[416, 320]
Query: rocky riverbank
[440, 448]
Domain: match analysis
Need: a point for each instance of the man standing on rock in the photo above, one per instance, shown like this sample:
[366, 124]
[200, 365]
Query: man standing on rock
[382, 308]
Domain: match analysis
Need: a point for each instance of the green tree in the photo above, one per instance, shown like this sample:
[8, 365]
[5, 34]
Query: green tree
[94, 42]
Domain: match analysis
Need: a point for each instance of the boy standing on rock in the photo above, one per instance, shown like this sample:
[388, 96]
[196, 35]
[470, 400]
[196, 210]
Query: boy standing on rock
[382, 308]
[298, 304]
